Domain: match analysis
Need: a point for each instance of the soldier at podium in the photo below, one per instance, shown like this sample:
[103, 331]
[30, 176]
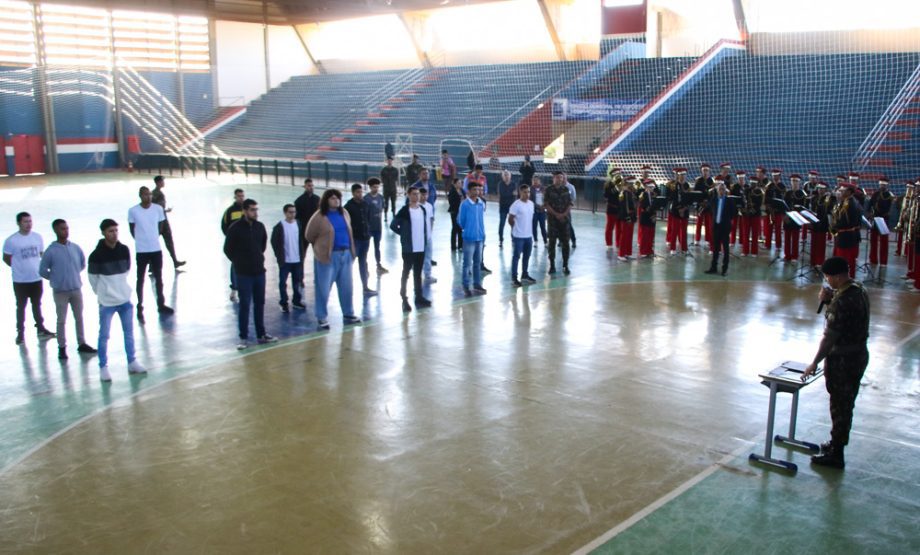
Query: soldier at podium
[844, 351]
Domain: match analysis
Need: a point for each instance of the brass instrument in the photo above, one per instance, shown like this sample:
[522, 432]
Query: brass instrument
[910, 212]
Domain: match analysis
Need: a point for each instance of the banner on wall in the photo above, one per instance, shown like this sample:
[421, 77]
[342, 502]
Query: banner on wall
[600, 109]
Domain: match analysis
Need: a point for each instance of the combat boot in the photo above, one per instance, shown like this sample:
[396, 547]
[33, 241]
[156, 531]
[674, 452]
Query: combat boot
[832, 457]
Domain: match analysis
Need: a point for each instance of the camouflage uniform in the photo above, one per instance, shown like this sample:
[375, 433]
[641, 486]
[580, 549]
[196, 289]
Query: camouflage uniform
[846, 332]
[559, 200]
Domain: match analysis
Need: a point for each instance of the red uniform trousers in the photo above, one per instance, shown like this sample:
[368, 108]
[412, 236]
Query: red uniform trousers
[850, 255]
[646, 239]
[704, 220]
[878, 241]
[750, 234]
[625, 237]
[900, 248]
[818, 248]
[678, 233]
[911, 250]
[734, 237]
[773, 231]
[613, 223]
[791, 250]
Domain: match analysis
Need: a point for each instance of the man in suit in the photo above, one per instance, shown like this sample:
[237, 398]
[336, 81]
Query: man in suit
[723, 210]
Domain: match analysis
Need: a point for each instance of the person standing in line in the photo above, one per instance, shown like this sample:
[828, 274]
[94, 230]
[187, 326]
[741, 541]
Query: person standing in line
[559, 207]
[572, 194]
[146, 221]
[61, 264]
[844, 351]
[358, 210]
[520, 216]
[410, 224]
[285, 241]
[305, 205]
[472, 223]
[375, 208]
[448, 169]
[507, 194]
[245, 247]
[413, 171]
[233, 213]
[389, 175]
[455, 197]
[107, 270]
[612, 196]
[429, 241]
[626, 219]
[425, 183]
[330, 233]
[389, 151]
[723, 210]
[527, 171]
[539, 210]
[160, 198]
[647, 217]
[477, 176]
[22, 251]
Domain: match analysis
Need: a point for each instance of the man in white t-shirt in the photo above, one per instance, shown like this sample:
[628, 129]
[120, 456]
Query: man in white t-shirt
[520, 216]
[285, 241]
[146, 221]
[22, 251]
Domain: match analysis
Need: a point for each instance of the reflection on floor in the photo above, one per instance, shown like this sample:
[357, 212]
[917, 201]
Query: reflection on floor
[529, 420]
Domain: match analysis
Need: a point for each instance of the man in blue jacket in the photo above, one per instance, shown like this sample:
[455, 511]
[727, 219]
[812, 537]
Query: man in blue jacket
[471, 221]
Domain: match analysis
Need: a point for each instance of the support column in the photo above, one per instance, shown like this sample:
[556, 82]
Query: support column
[407, 21]
[212, 56]
[180, 81]
[268, 74]
[116, 98]
[551, 29]
[42, 90]
[316, 63]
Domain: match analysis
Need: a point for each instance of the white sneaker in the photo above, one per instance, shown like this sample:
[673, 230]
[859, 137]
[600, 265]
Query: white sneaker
[104, 375]
[234, 298]
[134, 367]
[242, 345]
[621, 258]
[673, 253]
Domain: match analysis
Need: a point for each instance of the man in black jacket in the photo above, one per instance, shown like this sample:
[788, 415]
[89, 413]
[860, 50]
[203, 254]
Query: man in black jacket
[245, 247]
[410, 223]
[723, 210]
[359, 212]
[527, 170]
[389, 176]
[233, 213]
[286, 243]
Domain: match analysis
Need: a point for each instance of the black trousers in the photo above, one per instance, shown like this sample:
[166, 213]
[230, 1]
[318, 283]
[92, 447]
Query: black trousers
[155, 261]
[559, 231]
[456, 233]
[28, 292]
[389, 200]
[412, 262]
[842, 375]
[168, 241]
[720, 237]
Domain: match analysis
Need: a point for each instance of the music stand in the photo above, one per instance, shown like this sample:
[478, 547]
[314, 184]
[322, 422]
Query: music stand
[785, 378]
[778, 203]
[882, 226]
[803, 218]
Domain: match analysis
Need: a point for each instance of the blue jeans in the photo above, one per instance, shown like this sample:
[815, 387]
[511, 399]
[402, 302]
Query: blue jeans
[502, 218]
[252, 291]
[361, 247]
[523, 246]
[338, 271]
[472, 263]
[233, 286]
[426, 265]
[126, 315]
[295, 270]
[539, 218]
[375, 235]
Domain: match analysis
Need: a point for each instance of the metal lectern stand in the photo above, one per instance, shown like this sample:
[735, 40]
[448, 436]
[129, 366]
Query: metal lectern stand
[786, 378]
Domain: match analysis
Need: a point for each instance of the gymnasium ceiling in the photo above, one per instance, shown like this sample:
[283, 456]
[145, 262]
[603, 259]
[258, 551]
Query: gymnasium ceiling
[277, 12]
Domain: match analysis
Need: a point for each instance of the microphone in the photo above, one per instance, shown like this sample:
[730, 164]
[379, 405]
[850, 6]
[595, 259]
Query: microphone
[821, 306]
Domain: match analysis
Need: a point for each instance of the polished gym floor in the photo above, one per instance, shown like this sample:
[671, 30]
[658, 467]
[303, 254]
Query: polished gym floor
[609, 411]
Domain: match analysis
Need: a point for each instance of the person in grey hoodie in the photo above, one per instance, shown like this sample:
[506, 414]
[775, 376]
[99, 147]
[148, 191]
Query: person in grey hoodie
[108, 271]
[61, 264]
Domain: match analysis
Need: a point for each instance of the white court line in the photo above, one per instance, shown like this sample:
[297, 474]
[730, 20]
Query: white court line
[663, 500]
[907, 339]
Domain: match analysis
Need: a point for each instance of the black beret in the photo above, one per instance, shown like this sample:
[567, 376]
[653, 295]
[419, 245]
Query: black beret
[834, 266]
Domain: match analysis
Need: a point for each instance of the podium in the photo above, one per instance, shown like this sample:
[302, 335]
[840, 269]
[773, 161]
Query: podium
[785, 378]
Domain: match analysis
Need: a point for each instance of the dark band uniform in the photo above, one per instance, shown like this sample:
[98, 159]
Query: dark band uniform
[879, 207]
[845, 228]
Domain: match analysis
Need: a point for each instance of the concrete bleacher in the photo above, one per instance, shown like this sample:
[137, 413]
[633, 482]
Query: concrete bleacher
[636, 79]
[329, 117]
[794, 112]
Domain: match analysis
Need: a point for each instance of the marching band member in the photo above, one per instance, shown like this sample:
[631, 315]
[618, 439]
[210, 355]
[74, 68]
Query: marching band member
[644, 176]
[678, 211]
[822, 206]
[794, 197]
[612, 195]
[845, 227]
[809, 188]
[647, 220]
[704, 184]
[752, 206]
[627, 218]
[774, 189]
[760, 177]
[879, 207]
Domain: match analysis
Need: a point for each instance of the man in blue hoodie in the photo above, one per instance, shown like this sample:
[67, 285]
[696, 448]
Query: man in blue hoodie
[471, 221]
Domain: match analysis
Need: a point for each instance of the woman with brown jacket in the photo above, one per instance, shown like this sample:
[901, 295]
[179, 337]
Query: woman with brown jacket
[329, 231]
